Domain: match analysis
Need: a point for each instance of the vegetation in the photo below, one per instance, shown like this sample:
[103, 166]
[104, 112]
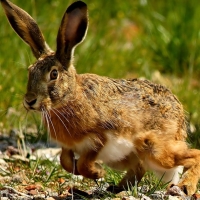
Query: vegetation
[157, 40]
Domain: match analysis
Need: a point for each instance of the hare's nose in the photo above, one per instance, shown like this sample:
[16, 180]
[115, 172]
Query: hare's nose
[30, 99]
[31, 102]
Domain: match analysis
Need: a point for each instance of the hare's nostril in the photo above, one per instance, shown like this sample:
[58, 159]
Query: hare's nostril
[31, 102]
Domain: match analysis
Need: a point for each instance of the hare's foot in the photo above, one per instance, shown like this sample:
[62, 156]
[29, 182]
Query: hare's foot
[189, 180]
[87, 166]
[174, 190]
[68, 162]
[191, 161]
[90, 170]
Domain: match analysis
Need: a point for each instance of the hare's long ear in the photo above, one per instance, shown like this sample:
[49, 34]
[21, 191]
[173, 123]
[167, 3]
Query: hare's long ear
[25, 26]
[72, 31]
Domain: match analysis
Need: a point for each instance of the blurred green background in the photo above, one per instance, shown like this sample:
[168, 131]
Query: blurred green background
[157, 40]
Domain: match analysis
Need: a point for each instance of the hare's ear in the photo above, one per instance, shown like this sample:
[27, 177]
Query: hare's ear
[72, 31]
[25, 26]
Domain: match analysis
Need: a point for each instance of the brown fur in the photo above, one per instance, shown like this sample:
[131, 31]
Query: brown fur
[132, 125]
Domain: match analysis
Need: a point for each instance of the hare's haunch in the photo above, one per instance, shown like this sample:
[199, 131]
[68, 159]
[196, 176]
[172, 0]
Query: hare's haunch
[131, 125]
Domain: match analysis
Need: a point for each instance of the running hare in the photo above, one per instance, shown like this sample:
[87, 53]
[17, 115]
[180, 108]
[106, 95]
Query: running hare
[131, 125]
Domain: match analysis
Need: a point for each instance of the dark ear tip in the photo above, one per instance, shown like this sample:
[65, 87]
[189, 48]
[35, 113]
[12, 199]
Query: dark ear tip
[5, 4]
[2, 1]
[77, 4]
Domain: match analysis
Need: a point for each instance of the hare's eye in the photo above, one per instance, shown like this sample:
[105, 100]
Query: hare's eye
[54, 74]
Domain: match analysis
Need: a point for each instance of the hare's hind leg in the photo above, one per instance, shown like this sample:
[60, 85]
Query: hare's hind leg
[132, 176]
[129, 180]
[163, 154]
[191, 162]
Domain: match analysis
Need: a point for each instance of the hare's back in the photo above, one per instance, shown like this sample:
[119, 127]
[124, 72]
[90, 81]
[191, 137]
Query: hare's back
[133, 105]
[150, 106]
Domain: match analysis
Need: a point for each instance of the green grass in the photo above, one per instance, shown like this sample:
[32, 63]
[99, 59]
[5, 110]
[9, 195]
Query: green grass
[46, 176]
[125, 39]
[158, 40]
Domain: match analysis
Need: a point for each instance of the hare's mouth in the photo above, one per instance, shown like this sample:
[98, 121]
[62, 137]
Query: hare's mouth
[30, 107]
[33, 105]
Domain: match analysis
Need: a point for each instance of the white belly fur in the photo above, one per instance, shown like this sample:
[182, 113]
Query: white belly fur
[115, 149]
[168, 175]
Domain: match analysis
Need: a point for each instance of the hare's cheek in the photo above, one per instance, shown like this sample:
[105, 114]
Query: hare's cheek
[46, 103]
[53, 94]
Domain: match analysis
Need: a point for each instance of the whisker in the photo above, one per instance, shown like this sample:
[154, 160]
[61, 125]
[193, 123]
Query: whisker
[54, 111]
[70, 114]
[44, 117]
[61, 114]
[49, 118]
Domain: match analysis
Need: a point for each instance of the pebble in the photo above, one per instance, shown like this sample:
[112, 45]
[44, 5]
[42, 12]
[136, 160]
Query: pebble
[47, 153]
[50, 198]
[17, 178]
[39, 197]
[4, 198]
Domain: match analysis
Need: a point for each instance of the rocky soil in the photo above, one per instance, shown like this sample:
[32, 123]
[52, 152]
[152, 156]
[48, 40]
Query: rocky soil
[15, 186]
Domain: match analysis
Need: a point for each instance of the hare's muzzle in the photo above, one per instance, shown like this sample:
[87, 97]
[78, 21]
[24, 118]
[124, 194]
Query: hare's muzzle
[30, 101]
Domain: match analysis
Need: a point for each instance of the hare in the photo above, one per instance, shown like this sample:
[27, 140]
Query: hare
[132, 125]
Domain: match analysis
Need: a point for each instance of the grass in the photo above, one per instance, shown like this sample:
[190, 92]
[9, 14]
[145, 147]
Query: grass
[158, 40]
[47, 177]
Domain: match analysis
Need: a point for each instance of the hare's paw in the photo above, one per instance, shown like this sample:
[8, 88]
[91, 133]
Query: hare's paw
[174, 190]
[181, 189]
[188, 189]
[90, 170]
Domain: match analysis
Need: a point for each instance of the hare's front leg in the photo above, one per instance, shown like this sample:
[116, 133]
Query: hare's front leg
[87, 166]
[68, 162]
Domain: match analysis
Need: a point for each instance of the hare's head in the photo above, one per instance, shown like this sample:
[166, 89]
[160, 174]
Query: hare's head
[52, 76]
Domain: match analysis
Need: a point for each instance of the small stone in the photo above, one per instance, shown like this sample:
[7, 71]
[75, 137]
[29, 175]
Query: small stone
[174, 197]
[33, 192]
[122, 194]
[50, 198]
[3, 163]
[39, 197]
[48, 153]
[4, 179]
[17, 179]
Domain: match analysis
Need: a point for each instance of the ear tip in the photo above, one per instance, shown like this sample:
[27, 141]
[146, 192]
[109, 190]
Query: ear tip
[2, 1]
[77, 4]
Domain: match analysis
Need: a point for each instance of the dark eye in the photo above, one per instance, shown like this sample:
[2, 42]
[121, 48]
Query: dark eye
[54, 74]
